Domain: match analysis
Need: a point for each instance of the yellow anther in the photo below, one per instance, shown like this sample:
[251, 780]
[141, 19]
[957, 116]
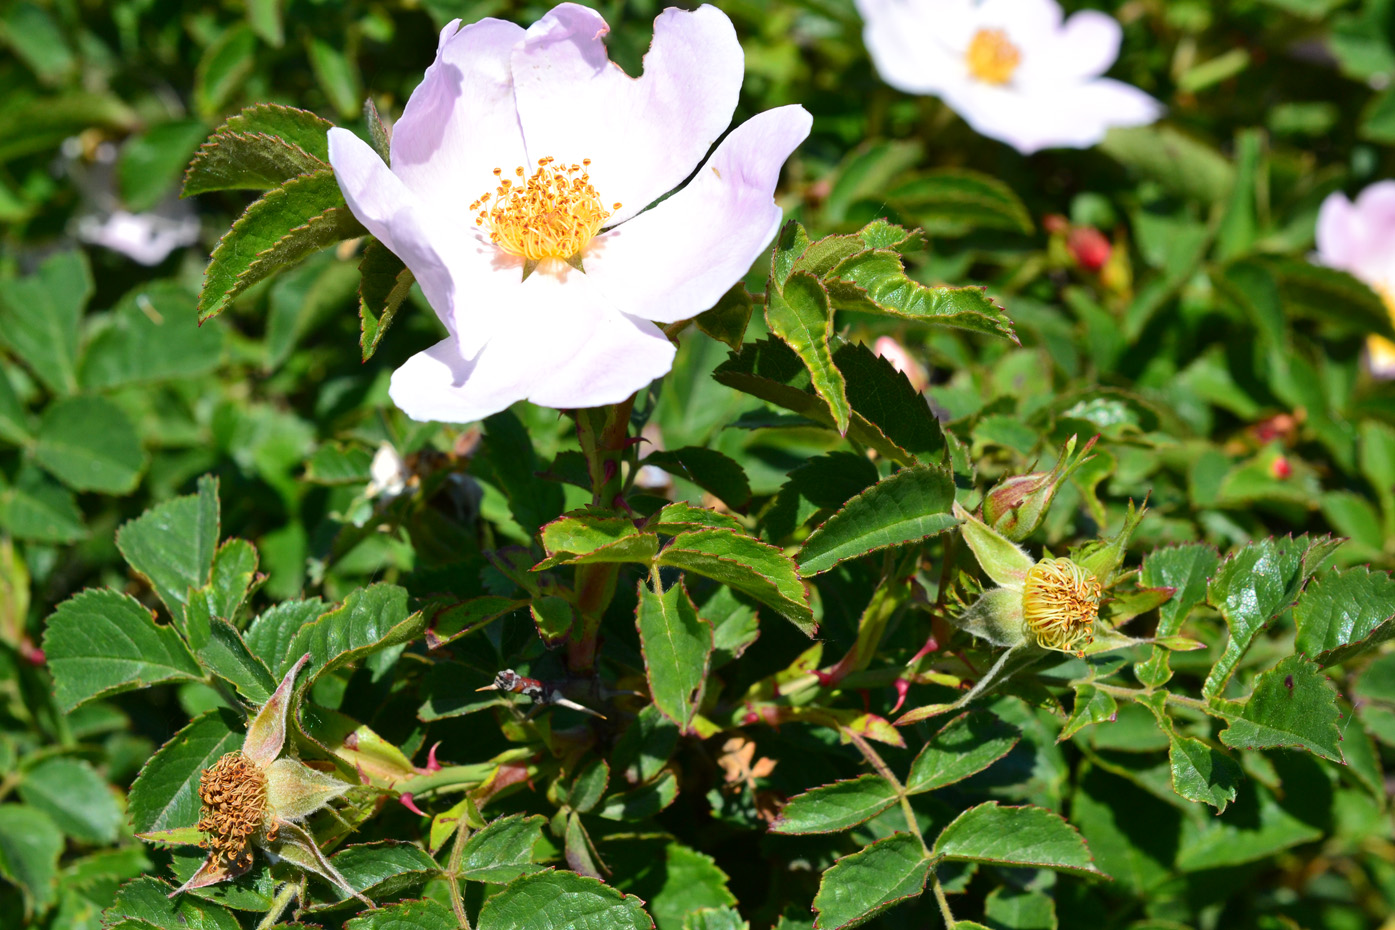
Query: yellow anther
[552, 214]
[992, 58]
[1060, 601]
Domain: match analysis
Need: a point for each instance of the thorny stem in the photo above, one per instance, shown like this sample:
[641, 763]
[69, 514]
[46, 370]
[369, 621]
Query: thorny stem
[278, 906]
[875, 760]
[457, 853]
[449, 778]
[1179, 700]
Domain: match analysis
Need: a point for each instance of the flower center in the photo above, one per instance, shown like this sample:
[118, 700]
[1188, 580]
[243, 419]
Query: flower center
[1381, 349]
[233, 791]
[553, 213]
[992, 58]
[1060, 601]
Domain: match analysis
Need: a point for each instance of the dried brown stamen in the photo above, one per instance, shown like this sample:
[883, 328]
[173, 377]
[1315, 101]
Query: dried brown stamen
[1060, 601]
[233, 791]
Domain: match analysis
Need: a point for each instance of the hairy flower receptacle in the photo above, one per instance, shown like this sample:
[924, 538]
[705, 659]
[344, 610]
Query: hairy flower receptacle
[992, 59]
[1060, 601]
[234, 795]
[553, 213]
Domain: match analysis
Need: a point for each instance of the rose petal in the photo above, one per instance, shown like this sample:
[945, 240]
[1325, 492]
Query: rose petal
[917, 48]
[460, 123]
[1340, 232]
[1029, 24]
[1084, 47]
[645, 135]
[456, 270]
[1051, 117]
[561, 344]
[674, 261]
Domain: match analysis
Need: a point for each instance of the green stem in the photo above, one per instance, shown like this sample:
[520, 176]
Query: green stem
[1177, 700]
[450, 778]
[457, 854]
[941, 900]
[278, 906]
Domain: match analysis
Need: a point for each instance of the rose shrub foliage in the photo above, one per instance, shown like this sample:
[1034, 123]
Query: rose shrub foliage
[1004, 545]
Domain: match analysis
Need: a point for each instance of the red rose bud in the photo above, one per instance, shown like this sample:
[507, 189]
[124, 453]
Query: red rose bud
[1016, 506]
[1088, 247]
[1280, 468]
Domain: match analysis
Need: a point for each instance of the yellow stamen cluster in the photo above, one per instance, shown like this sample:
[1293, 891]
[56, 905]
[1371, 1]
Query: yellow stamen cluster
[553, 213]
[1382, 350]
[992, 58]
[1060, 601]
[233, 791]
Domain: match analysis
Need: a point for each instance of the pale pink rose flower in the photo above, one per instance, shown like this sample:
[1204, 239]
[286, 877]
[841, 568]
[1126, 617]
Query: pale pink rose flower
[584, 150]
[902, 360]
[1359, 238]
[1013, 69]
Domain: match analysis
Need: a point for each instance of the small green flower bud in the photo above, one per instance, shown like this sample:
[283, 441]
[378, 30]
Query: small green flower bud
[1016, 506]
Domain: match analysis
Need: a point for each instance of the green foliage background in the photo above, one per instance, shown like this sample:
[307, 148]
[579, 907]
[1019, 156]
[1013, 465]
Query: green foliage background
[1221, 370]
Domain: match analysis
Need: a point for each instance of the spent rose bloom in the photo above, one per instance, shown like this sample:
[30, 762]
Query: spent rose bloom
[1359, 238]
[521, 171]
[1013, 69]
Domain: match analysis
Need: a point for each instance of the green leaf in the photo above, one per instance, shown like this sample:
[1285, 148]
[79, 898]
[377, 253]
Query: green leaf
[727, 321]
[1186, 569]
[709, 469]
[581, 537]
[875, 281]
[370, 619]
[677, 646]
[555, 900]
[643, 802]
[965, 746]
[234, 574]
[101, 642]
[147, 900]
[956, 201]
[385, 283]
[337, 73]
[771, 371]
[841, 805]
[172, 545]
[1202, 773]
[910, 506]
[681, 516]
[860, 886]
[379, 870]
[285, 226]
[1292, 706]
[1178, 162]
[270, 635]
[457, 620]
[1252, 587]
[225, 64]
[684, 880]
[302, 299]
[34, 38]
[225, 653]
[264, 16]
[75, 798]
[799, 313]
[150, 164]
[40, 123]
[714, 918]
[865, 173]
[89, 444]
[830, 480]
[510, 462]
[40, 509]
[39, 316]
[165, 796]
[1030, 836]
[589, 786]
[553, 617]
[1091, 706]
[1345, 614]
[262, 147]
[1008, 908]
[29, 849]
[748, 565]
[503, 850]
[149, 337]
[406, 915]
[15, 425]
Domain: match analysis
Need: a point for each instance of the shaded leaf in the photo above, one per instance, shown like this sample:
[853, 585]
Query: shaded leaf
[677, 646]
[1030, 836]
[965, 746]
[1345, 614]
[748, 565]
[860, 886]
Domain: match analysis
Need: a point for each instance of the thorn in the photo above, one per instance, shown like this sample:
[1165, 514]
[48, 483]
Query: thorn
[902, 687]
[564, 702]
[407, 802]
[488, 688]
[609, 470]
[431, 764]
[931, 645]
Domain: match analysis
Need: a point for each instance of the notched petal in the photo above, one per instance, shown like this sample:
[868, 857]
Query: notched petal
[266, 734]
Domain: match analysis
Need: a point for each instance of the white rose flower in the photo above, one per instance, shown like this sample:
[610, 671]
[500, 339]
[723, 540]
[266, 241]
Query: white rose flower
[521, 171]
[1013, 69]
[1359, 238]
